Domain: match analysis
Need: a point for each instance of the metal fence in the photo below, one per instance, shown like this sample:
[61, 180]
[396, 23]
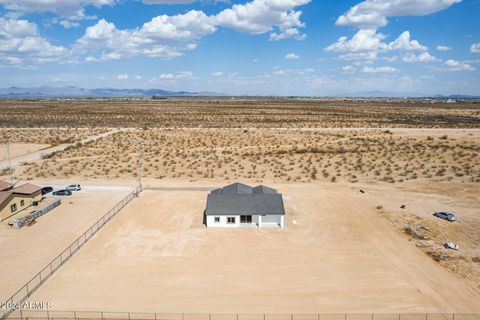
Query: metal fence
[10, 305]
[99, 315]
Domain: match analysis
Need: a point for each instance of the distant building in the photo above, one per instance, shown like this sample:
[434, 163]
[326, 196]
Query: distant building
[15, 199]
[239, 205]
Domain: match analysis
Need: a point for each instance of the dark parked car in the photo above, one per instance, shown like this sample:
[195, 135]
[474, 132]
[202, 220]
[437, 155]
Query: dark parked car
[445, 215]
[62, 193]
[46, 190]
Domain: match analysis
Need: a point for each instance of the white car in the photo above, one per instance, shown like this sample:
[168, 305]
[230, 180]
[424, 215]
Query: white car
[74, 187]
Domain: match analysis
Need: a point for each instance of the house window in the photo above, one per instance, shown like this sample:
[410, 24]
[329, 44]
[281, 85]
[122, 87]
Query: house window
[13, 207]
[22, 203]
[217, 219]
[230, 219]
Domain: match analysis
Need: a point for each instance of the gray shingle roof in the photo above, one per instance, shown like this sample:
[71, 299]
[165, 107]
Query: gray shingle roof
[263, 189]
[237, 188]
[238, 199]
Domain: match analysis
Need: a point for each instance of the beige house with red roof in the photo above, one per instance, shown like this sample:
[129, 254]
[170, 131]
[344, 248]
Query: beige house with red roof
[15, 199]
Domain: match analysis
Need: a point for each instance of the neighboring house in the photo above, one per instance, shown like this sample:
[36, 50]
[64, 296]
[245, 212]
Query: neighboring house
[15, 199]
[4, 185]
[239, 205]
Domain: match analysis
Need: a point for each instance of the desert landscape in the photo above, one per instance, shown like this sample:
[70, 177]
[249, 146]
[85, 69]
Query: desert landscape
[360, 180]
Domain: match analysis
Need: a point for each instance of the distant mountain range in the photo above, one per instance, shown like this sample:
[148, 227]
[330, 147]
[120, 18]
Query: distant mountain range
[76, 92]
[385, 94]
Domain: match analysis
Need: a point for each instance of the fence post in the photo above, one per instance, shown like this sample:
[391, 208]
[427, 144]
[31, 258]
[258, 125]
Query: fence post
[21, 313]
[453, 316]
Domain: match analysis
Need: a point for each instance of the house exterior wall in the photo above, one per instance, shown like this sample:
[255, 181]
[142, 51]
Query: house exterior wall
[258, 220]
[5, 208]
[223, 222]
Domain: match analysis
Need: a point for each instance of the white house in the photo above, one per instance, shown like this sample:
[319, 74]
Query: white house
[238, 205]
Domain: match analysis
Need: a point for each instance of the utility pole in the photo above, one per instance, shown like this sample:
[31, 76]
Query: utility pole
[10, 171]
[139, 165]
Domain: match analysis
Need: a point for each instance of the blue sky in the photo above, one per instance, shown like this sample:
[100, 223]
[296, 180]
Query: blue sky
[279, 47]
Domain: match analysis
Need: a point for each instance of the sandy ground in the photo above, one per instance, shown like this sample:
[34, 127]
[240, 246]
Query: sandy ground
[336, 255]
[29, 249]
[20, 149]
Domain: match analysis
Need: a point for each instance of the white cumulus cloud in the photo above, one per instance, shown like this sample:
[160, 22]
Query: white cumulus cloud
[421, 57]
[403, 42]
[454, 65]
[348, 69]
[122, 76]
[262, 16]
[366, 44]
[163, 36]
[292, 56]
[362, 41]
[372, 14]
[475, 48]
[21, 42]
[71, 9]
[443, 48]
[368, 69]
[174, 76]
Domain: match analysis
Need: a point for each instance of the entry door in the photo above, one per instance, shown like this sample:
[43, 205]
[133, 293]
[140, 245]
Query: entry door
[246, 219]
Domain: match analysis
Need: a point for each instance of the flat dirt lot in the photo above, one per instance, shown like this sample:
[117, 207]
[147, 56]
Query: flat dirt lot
[335, 255]
[29, 249]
